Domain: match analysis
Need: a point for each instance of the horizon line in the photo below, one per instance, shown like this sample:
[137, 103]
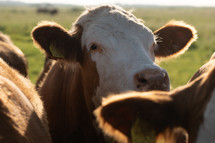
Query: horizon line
[93, 4]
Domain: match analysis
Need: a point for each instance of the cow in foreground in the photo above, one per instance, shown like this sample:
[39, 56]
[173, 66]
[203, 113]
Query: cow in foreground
[108, 50]
[22, 115]
[146, 117]
[12, 55]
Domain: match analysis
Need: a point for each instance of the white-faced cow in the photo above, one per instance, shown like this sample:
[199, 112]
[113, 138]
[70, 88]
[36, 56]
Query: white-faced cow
[143, 117]
[22, 115]
[108, 50]
[12, 55]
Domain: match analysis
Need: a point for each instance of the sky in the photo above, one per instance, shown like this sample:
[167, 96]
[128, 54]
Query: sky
[145, 2]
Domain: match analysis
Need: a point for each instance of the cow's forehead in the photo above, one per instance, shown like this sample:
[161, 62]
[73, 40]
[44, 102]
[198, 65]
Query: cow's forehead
[114, 20]
[106, 12]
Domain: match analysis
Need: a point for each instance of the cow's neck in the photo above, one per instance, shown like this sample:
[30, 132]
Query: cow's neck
[67, 93]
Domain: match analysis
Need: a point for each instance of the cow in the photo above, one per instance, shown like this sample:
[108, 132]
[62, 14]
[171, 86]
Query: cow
[12, 55]
[22, 114]
[47, 10]
[159, 115]
[53, 11]
[108, 50]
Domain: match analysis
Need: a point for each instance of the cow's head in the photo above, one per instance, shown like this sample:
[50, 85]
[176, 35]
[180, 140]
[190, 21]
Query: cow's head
[114, 47]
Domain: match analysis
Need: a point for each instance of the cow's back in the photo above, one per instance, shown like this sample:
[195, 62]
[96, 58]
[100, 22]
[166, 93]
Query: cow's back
[16, 60]
[19, 122]
[23, 118]
[12, 55]
[24, 85]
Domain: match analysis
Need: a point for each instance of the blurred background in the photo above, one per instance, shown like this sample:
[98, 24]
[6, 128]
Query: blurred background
[18, 18]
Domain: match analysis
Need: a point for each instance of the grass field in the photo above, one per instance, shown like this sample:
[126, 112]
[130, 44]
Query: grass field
[18, 22]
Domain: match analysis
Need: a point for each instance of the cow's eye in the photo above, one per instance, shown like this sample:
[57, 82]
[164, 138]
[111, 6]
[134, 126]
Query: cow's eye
[93, 47]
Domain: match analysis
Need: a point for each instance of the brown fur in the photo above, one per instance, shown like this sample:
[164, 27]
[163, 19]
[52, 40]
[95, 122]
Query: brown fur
[66, 122]
[184, 107]
[23, 118]
[174, 37]
[48, 34]
[12, 55]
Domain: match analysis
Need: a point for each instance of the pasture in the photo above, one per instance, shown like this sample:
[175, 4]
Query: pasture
[18, 22]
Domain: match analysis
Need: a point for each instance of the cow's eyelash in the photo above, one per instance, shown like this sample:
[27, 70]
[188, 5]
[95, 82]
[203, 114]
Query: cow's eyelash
[157, 38]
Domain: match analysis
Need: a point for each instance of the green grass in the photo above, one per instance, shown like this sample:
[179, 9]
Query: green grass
[18, 22]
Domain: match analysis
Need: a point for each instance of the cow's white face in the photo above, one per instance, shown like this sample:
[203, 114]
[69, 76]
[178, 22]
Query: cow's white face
[120, 45]
[122, 48]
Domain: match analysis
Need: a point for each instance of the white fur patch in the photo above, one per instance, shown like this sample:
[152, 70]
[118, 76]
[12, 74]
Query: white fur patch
[125, 43]
[206, 132]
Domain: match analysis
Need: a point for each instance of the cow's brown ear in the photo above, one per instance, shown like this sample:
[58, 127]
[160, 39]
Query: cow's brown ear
[118, 114]
[116, 120]
[174, 39]
[57, 42]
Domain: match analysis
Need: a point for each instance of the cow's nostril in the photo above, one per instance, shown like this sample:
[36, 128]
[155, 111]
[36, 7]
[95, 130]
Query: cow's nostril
[151, 80]
[142, 80]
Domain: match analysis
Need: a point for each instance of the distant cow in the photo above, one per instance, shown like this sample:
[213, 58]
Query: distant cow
[108, 50]
[22, 115]
[42, 10]
[51, 11]
[12, 55]
[136, 116]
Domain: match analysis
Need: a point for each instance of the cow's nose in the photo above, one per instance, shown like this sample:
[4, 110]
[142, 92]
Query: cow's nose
[152, 79]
